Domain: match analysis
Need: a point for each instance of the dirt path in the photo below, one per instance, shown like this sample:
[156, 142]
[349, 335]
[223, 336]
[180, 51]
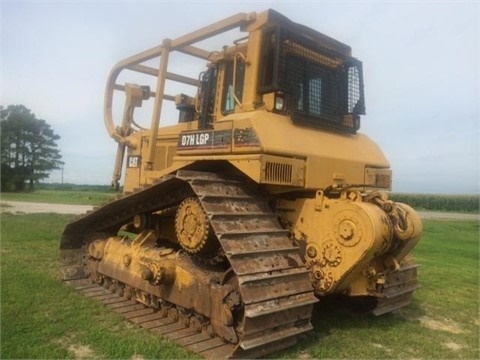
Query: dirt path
[448, 216]
[30, 207]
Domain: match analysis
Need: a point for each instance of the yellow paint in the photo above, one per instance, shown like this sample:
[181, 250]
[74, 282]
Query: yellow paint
[347, 241]
[183, 278]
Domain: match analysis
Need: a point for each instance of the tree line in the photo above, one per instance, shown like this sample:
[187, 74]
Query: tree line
[29, 150]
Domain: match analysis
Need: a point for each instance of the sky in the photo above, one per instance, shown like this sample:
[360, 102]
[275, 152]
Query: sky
[421, 72]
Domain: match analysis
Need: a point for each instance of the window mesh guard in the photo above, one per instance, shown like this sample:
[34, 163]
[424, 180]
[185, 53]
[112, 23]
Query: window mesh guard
[324, 89]
[355, 97]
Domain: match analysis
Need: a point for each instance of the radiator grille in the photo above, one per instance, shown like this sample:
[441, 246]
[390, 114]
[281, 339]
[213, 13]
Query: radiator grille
[278, 173]
[383, 180]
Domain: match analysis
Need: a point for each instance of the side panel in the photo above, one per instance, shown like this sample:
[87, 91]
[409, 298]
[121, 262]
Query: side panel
[299, 156]
[322, 172]
[330, 158]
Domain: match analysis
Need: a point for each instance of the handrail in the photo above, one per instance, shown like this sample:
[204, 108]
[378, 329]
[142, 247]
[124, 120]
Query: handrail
[182, 44]
[250, 22]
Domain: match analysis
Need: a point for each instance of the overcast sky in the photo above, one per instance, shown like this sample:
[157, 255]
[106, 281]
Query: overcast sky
[421, 69]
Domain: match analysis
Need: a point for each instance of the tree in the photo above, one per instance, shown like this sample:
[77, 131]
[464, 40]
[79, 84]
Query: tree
[28, 148]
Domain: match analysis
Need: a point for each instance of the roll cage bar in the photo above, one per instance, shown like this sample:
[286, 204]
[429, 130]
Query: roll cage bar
[184, 44]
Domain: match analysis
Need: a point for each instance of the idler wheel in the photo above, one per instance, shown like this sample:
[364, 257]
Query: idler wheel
[193, 228]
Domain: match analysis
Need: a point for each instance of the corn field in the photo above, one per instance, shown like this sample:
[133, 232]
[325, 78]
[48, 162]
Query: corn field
[449, 203]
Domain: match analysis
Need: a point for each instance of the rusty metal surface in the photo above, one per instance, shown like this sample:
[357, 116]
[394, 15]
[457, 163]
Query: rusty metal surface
[272, 278]
[276, 293]
[266, 269]
[155, 321]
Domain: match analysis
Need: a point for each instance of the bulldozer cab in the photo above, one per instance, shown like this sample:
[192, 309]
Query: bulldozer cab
[313, 84]
[278, 67]
[222, 85]
[306, 76]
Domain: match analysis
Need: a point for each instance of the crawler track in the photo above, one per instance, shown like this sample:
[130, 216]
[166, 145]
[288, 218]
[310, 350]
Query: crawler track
[274, 283]
[266, 269]
[156, 321]
[398, 289]
[276, 294]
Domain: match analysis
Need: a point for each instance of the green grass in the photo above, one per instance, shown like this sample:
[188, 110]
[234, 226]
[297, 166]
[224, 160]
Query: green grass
[42, 318]
[87, 197]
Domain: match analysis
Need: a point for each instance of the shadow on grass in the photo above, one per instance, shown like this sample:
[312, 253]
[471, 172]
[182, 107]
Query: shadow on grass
[340, 313]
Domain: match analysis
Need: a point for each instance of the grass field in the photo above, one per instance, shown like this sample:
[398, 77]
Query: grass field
[97, 195]
[42, 318]
[86, 197]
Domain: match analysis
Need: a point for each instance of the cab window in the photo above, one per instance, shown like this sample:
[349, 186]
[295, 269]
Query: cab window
[229, 92]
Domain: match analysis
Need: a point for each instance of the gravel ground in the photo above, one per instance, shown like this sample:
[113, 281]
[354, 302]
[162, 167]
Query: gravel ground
[29, 207]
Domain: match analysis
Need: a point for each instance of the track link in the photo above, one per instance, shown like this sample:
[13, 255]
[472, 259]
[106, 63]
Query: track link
[272, 278]
[398, 289]
[156, 321]
[266, 267]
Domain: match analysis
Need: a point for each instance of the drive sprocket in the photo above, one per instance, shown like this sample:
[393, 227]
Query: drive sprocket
[192, 227]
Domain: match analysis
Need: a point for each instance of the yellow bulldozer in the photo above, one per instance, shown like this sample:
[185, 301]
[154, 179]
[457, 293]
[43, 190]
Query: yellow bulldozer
[259, 199]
